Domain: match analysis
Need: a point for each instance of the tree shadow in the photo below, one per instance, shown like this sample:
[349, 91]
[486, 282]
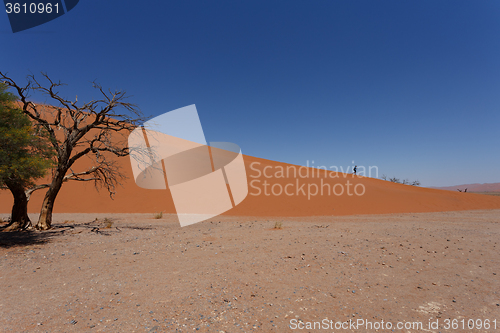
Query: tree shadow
[23, 238]
[104, 227]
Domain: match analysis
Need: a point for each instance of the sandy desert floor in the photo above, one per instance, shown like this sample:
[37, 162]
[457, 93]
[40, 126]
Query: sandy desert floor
[231, 274]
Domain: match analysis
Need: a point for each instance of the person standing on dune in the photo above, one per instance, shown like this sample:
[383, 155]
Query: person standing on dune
[355, 169]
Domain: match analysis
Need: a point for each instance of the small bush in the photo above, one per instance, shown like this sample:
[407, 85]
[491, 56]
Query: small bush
[108, 223]
[158, 215]
[398, 181]
[278, 225]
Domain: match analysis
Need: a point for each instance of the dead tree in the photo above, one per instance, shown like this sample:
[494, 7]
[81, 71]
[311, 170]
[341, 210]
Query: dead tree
[97, 130]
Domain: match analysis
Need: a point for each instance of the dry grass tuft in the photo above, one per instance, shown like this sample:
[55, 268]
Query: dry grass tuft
[108, 223]
[158, 215]
[278, 225]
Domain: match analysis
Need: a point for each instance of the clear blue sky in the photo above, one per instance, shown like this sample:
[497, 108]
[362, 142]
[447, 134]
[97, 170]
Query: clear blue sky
[412, 87]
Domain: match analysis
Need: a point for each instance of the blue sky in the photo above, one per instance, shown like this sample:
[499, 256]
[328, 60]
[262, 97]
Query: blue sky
[412, 87]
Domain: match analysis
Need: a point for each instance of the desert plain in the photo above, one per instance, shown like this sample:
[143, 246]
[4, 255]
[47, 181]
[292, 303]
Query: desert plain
[135, 273]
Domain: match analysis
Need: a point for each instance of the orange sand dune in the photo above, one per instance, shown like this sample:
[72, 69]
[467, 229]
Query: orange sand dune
[379, 196]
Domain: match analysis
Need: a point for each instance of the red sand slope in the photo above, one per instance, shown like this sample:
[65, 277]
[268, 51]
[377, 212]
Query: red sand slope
[379, 196]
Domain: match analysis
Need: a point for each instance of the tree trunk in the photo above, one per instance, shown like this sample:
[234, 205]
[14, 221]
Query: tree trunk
[45, 219]
[19, 215]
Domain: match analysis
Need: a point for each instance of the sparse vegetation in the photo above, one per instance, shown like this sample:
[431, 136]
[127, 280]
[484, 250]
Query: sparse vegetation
[158, 215]
[404, 181]
[278, 225]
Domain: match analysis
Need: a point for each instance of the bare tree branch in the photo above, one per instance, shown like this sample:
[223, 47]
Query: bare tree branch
[30, 191]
